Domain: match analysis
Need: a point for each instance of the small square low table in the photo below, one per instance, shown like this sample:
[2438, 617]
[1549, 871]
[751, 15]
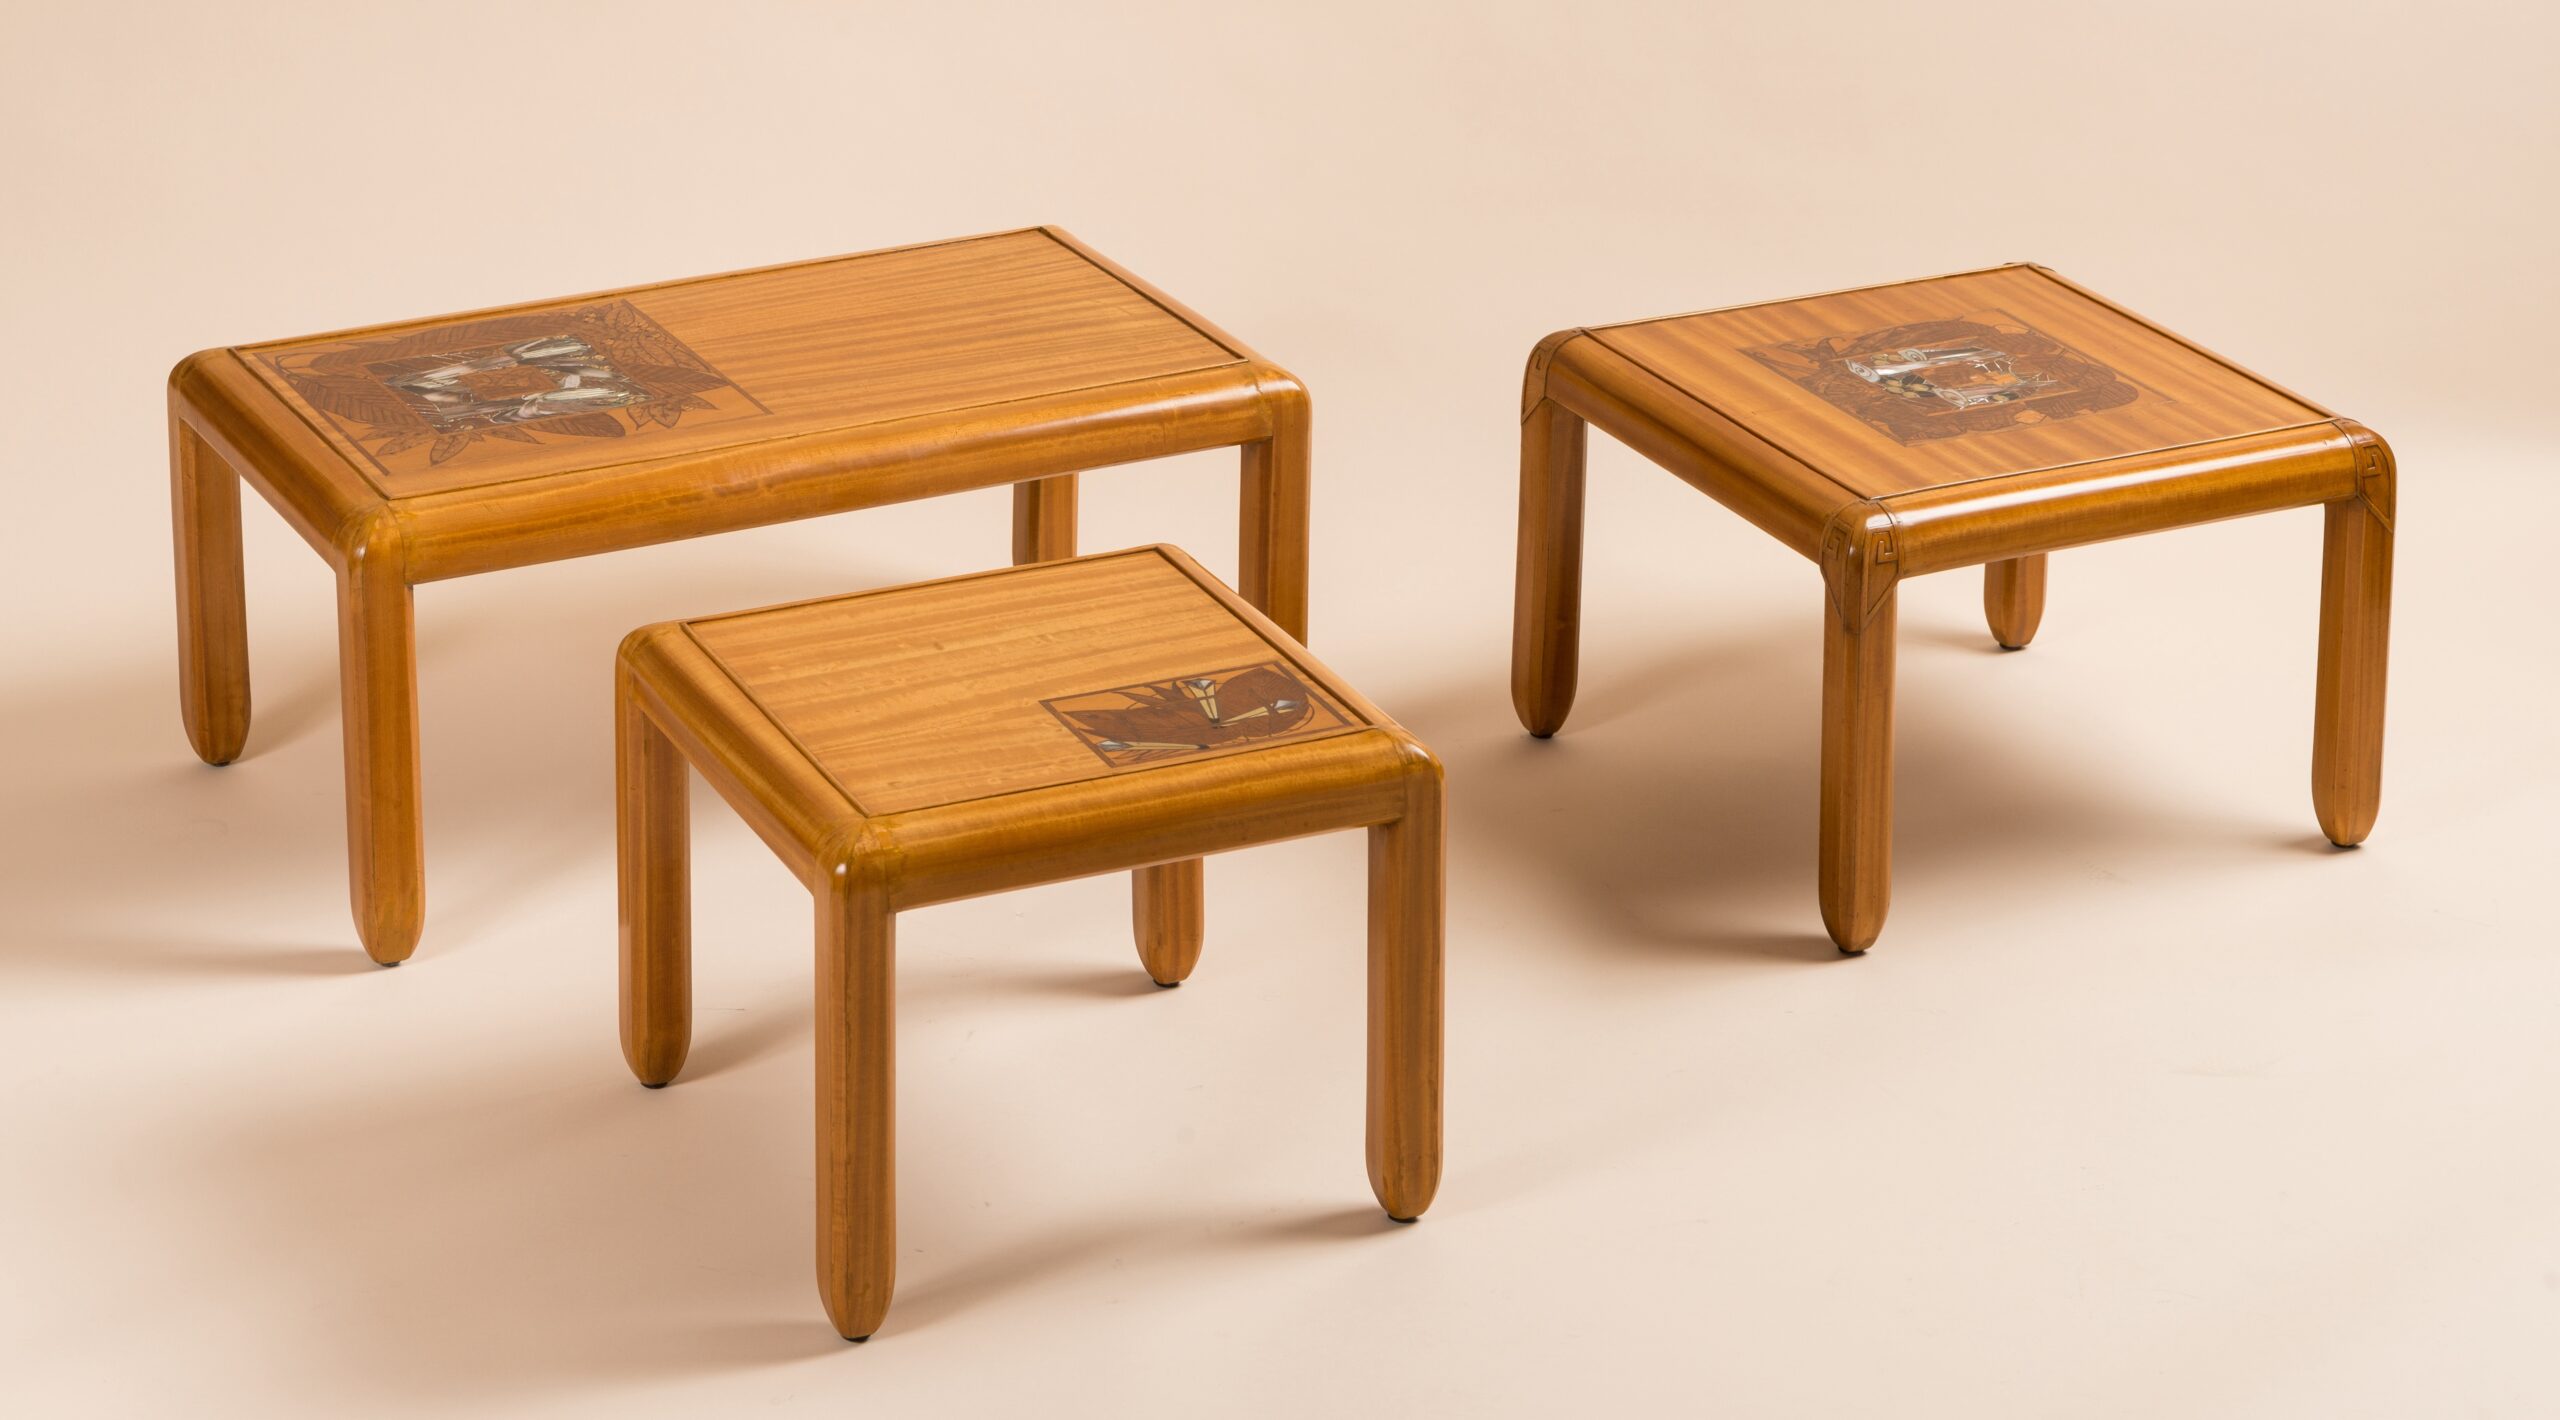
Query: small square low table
[920, 744]
[439, 448]
[1986, 419]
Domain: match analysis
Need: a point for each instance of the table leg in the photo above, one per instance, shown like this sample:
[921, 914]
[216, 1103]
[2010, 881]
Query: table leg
[378, 695]
[653, 862]
[1170, 908]
[1546, 612]
[1857, 773]
[1166, 901]
[857, 1101]
[2355, 642]
[1044, 519]
[1272, 516]
[1406, 873]
[2013, 600]
[213, 618]
[1169, 901]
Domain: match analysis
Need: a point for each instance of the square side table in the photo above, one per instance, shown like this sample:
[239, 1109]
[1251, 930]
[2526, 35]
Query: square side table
[440, 448]
[921, 744]
[1985, 418]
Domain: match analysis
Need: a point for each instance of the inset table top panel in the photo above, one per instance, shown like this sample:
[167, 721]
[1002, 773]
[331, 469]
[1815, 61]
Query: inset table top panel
[1897, 388]
[911, 697]
[645, 373]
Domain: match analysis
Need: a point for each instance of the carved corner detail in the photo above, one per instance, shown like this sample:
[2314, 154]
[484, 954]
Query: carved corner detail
[2377, 472]
[1533, 386]
[1860, 561]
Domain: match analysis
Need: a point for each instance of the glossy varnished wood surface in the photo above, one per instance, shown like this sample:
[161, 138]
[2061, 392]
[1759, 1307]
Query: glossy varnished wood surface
[2355, 646]
[811, 346]
[909, 697]
[1989, 419]
[2180, 395]
[1020, 358]
[2013, 600]
[972, 794]
[213, 614]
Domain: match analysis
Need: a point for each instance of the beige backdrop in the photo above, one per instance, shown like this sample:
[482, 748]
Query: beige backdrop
[2148, 1105]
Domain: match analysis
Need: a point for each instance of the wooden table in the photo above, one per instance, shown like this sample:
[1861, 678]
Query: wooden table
[1979, 419]
[920, 744]
[429, 449]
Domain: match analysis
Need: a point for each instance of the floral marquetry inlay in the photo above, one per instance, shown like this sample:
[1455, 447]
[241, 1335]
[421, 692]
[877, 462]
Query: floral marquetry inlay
[601, 371]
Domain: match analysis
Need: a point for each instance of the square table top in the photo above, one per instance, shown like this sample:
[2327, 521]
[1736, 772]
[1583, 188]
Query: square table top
[919, 696]
[648, 372]
[1893, 389]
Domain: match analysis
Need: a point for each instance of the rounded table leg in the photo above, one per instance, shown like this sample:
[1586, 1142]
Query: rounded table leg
[1272, 515]
[651, 786]
[378, 695]
[2013, 600]
[1406, 869]
[1170, 912]
[1857, 774]
[1546, 613]
[857, 1103]
[213, 617]
[2355, 644]
[1044, 519]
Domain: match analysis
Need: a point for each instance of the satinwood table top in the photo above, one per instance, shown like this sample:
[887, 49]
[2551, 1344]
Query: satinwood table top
[943, 692]
[1893, 389]
[687, 367]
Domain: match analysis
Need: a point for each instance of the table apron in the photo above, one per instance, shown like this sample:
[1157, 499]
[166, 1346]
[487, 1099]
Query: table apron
[272, 451]
[468, 531]
[1966, 524]
[1781, 497]
[1154, 816]
[719, 730]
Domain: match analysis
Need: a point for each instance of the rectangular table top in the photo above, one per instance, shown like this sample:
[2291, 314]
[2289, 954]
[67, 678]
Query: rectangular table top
[913, 697]
[1893, 389]
[462, 402]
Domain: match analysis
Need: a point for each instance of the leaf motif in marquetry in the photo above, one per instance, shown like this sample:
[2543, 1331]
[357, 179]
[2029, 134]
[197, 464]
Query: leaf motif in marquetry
[448, 339]
[351, 381]
[672, 379]
[405, 365]
[361, 398]
[598, 425]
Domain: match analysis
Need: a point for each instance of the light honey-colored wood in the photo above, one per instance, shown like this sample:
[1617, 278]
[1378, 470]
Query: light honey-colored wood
[1170, 907]
[1044, 519]
[1855, 867]
[378, 702]
[823, 345]
[1407, 869]
[2001, 415]
[1168, 902]
[857, 1020]
[213, 615]
[1546, 616]
[2355, 643]
[654, 850]
[725, 402]
[920, 744]
[956, 673]
[2184, 397]
[2013, 599]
